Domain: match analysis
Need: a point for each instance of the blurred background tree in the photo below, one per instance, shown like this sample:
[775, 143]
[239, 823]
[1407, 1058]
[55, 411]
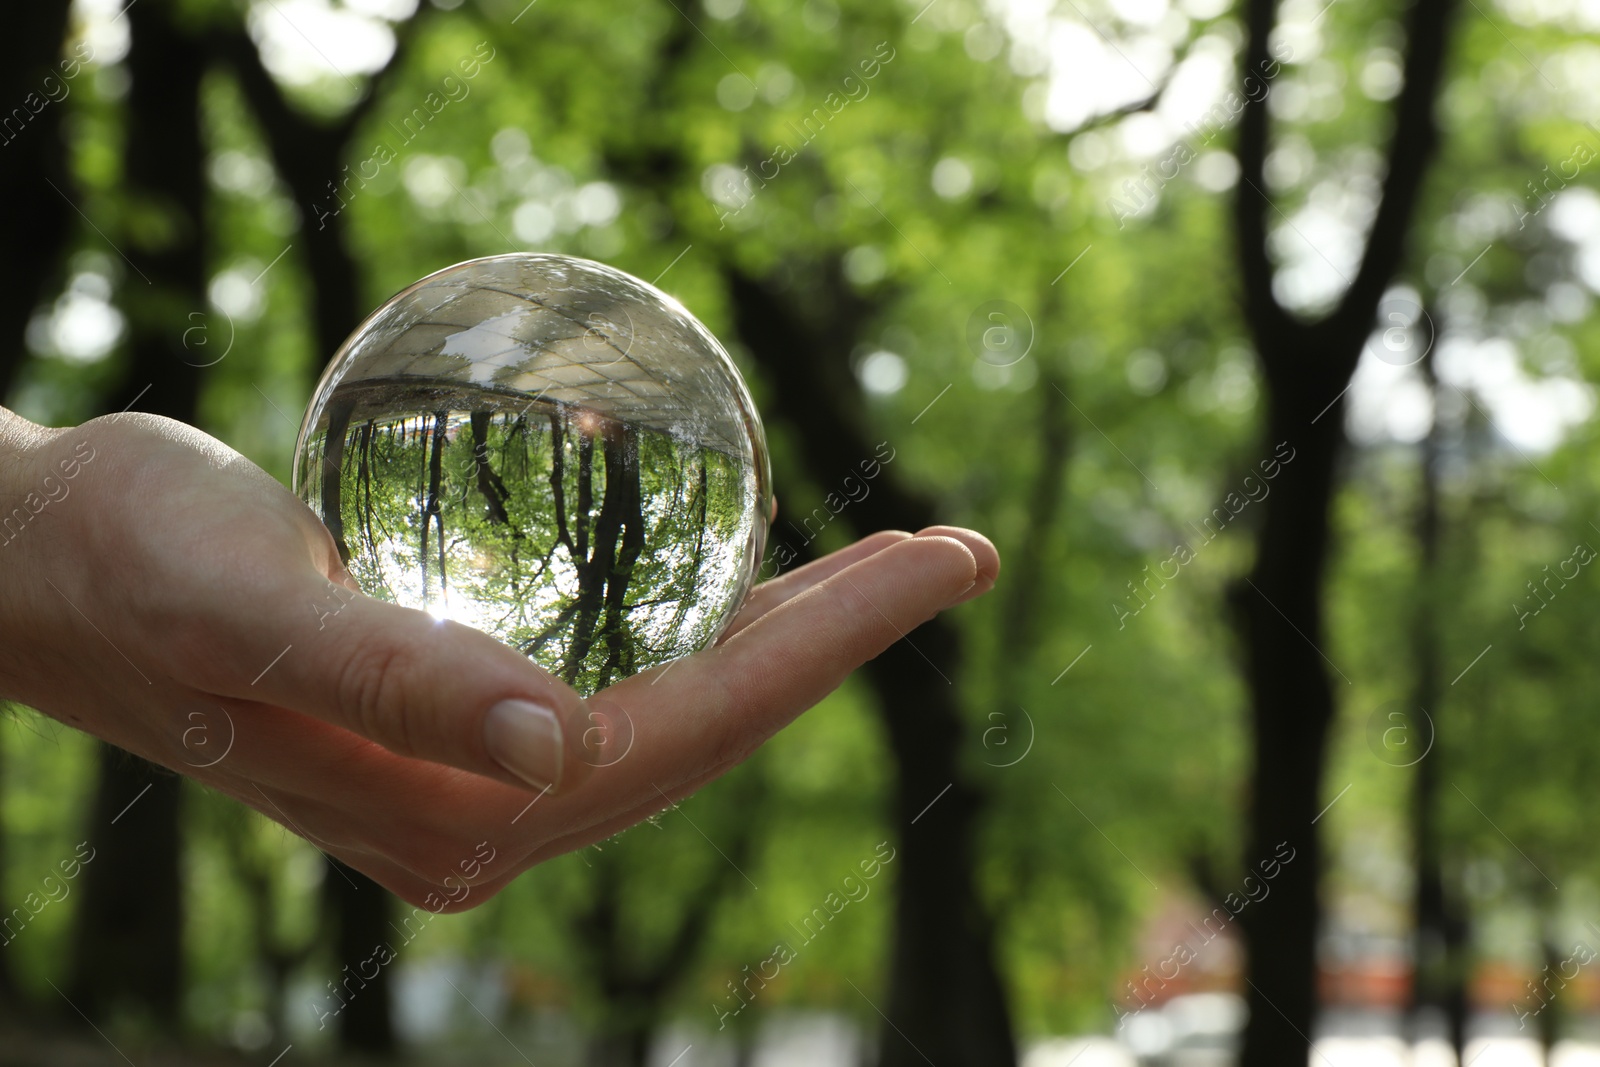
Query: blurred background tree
[1258, 338]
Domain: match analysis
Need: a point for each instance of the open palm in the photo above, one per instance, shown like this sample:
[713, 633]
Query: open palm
[173, 599]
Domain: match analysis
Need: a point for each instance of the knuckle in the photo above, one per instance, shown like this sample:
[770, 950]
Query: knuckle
[732, 743]
[434, 860]
[732, 737]
[371, 691]
[427, 856]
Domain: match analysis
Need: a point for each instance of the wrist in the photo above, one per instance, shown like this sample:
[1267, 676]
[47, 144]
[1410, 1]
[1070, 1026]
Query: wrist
[29, 479]
[19, 439]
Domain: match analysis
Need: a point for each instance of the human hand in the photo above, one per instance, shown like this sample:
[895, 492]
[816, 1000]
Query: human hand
[169, 586]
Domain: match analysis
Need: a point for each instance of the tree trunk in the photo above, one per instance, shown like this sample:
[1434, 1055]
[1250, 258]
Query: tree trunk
[33, 240]
[128, 927]
[629, 1047]
[636, 988]
[278, 959]
[1550, 1017]
[944, 990]
[1439, 940]
[1291, 707]
[1306, 367]
[308, 155]
[945, 995]
[11, 997]
[127, 945]
[360, 909]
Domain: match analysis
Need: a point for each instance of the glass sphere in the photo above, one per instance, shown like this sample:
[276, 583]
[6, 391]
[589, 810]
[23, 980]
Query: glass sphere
[550, 451]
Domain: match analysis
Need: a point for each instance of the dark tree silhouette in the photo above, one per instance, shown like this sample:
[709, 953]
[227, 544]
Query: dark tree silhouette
[945, 994]
[1551, 1011]
[1440, 922]
[635, 984]
[358, 910]
[128, 930]
[279, 956]
[1020, 600]
[308, 154]
[1306, 366]
[32, 157]
[127, 941]
[33, 171]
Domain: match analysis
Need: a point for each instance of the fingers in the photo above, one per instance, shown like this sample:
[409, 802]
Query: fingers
[439, 838]
[797, 654]
[412, 824]
[402, 820]
[769, 595]
[436, 692]
[983, 552]
[713, 709]
[419, 686]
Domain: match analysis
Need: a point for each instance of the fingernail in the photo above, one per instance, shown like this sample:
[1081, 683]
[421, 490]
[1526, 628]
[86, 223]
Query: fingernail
[962, 595]
[525, 739]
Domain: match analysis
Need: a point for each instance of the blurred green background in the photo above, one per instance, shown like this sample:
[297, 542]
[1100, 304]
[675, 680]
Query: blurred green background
[1258, 338]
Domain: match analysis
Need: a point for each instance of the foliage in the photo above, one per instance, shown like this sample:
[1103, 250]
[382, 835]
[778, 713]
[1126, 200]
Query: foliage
[622, 132]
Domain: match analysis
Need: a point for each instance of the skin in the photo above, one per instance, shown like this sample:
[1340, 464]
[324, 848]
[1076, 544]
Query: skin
[153, 604]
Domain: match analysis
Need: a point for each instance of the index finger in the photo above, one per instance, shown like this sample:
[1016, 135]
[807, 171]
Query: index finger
[708, 712]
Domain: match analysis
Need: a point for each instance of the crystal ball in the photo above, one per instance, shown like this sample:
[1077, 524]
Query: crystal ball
[548, 450]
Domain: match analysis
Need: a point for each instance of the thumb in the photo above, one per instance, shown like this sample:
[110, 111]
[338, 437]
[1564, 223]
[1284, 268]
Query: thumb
[425, 688]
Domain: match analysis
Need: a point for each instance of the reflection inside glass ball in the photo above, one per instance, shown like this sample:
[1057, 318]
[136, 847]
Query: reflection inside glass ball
[550, 451]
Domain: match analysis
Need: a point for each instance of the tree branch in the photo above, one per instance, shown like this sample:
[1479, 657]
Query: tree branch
[1143, 104]
[1411, 147]
[1250, 198]
[308, 154]
[272, 106]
